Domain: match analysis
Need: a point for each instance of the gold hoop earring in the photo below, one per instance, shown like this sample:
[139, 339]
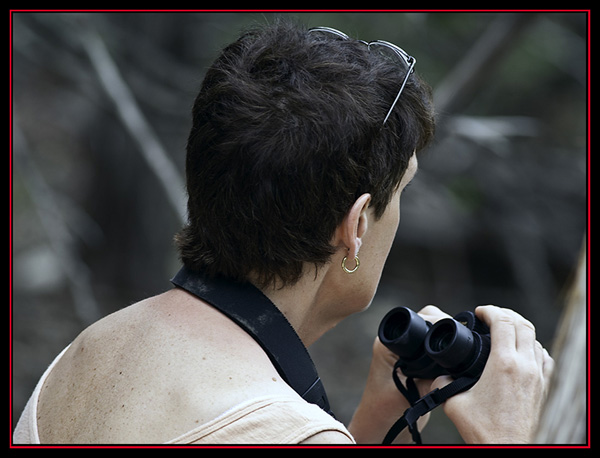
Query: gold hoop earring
[350, 271]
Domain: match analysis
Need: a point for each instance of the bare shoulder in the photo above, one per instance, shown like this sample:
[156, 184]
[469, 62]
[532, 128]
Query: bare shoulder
[151, 372]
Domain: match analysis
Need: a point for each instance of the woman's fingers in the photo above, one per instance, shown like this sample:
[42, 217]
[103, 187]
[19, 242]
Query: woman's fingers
[432, 314]
[501, 324]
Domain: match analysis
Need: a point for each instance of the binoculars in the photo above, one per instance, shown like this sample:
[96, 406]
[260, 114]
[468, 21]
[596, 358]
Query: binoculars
[456, 346]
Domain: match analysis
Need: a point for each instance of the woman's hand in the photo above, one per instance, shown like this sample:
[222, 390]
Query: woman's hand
[505, 404]
[382, 404]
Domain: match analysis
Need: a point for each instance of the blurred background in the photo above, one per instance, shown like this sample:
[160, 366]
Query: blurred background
[101, 111]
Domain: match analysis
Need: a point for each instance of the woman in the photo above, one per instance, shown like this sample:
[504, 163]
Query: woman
[301, 145]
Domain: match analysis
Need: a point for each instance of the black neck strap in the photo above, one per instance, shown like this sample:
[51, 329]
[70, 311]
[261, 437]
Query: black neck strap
[419, 406]
[250, 309]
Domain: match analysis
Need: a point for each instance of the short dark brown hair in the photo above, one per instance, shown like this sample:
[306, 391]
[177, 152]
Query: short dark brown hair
[287, 133]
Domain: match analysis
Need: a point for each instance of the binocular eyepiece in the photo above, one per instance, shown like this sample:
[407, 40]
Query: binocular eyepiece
[456, 346]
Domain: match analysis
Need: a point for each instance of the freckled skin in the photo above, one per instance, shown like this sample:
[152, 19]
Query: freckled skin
[168, 373]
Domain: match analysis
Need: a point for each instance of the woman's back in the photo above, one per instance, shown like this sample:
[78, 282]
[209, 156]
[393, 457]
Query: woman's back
[152, 372]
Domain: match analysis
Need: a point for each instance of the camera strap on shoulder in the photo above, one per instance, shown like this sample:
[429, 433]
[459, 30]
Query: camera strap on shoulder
[250, 309]
[419, 406]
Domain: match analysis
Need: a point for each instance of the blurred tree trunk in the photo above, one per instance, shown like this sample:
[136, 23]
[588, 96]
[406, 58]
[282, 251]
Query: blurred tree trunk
[474, 70]
[565, 418]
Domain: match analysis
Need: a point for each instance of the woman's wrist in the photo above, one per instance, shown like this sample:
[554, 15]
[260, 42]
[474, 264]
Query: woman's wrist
[381, 404]
[372, 421]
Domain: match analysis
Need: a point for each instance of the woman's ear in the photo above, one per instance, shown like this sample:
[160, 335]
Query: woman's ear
[355, 225]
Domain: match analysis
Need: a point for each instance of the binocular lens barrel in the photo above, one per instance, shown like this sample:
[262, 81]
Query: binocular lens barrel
[455, 346]
[450, 343]
[403, 332]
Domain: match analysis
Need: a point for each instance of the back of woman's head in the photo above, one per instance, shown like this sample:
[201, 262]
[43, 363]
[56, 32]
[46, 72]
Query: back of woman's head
[287, 132]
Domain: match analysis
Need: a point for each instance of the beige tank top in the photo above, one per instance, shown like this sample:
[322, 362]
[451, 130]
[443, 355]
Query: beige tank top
[274, 419]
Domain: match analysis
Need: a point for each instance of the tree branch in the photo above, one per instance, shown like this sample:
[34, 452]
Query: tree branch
[132, 117]
[457, 89]
[56, 229]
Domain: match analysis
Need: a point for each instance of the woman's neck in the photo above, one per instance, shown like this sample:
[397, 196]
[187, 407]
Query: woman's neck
[307, 304]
